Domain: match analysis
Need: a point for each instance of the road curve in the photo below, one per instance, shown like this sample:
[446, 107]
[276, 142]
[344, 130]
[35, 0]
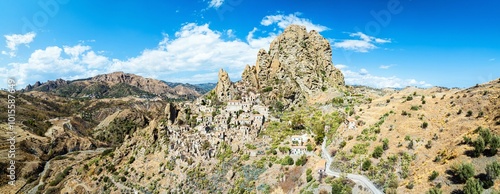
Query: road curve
[354, 177]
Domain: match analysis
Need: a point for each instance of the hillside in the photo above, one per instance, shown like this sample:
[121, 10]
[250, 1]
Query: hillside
[116, 85]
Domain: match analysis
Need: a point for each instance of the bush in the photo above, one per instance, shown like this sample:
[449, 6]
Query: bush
[433, 175]
[385, 144]
[338, 186]
[378, 152]
[309, 147]
[473, 186]
[434, 190]
[342, 144]
[464, 171]
[485, 134]
[494, 144]
[469, 113]
[493, 170]
[309, 178]
[366, 165]
[429, 144]
[301, 161]
[287, 160]
[424, 125]
[479, 146]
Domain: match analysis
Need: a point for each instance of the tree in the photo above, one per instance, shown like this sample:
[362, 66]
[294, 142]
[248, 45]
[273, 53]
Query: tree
[287, 160]
[493, 170]
[464, 171]
[366, 165]
[473, 186]
[301, 161]
[378, 152]
[486, 135]
[339, 187]
[494, 144]
[479, 146]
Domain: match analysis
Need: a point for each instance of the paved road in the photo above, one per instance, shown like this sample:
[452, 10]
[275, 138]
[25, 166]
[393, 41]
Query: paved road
[354, 177]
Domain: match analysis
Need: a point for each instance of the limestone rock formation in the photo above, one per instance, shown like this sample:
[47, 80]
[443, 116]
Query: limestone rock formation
[225, 89]
[298, 65]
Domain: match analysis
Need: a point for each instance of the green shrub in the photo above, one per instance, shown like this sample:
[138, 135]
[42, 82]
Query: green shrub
[494, 144]
[342, 144]
[479, 146]
[433, 175]
[434, 190]
[287, 160]
[424, 125]
[366, 165]
[385, 144]
[473, 186]
[267, 89]
[301, 161]
[469, 113]
[378, 152]
[493, 170]
[463, 171]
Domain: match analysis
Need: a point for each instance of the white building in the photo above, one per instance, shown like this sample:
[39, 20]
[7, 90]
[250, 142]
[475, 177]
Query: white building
[297, 150]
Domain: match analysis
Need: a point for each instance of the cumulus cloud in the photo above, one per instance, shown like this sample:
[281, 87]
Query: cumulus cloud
[194, 47]
[215, 3]
[193, 54]
[282, 21]
[68, 62]
[386, 66]
[363, 44]
[363, 77]
[14, 40]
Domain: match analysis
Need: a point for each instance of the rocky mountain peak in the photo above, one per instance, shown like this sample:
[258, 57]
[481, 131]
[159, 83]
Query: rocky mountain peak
[224, 89]
[298, 65]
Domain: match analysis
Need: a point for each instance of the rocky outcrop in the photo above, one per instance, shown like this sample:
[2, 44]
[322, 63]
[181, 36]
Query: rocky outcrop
[298, 65]
[225, 89]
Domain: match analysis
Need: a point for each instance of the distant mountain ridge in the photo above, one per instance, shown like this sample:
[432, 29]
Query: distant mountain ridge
[119, 84]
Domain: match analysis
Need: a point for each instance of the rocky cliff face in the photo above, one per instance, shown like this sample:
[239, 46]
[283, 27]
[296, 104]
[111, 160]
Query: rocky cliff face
[225, 89]
[298, 65]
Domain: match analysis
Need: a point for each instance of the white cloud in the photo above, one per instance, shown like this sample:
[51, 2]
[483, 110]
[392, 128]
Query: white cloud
[194, 47]
[262, 42]
[363, 44]
[492, 59]
[215, 3]
[285, 20]
[340, 66]
[75, 51]
[363, 77]
[194, 54]
[14, 40]
[386, 66]
[50, 63]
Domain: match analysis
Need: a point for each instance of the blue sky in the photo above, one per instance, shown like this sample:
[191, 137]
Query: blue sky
[381, 43]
